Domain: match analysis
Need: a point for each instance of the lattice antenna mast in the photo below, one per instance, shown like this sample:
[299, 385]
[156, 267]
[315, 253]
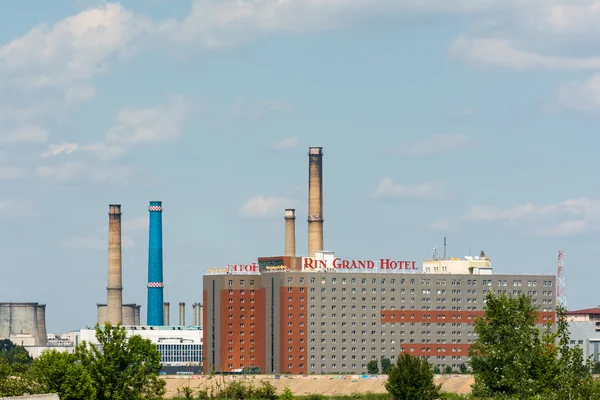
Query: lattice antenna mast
[561, 284]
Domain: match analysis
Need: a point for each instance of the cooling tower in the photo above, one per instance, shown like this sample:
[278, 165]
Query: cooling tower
[114, 312]
[137, 315]
[42, 335]
[166, 312]
[181, 314]
[155, 266]
[315, 200]
[23, 323]
[129, 314]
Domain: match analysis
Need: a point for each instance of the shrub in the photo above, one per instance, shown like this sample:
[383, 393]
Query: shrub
[412, 379]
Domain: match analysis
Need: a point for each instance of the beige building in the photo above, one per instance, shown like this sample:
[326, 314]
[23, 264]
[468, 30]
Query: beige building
[586, 315]
[478, 265]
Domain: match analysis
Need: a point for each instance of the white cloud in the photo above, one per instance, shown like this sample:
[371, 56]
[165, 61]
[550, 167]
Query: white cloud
[136, 126]
[94, 242]
[584, 96]
[17, 208]
[387, 189]
[74, 49]
[441, 143]
[261, 206]
[104, 151]
[569, 217]
[88, 173]
[13, 173]
[149, 125]
[63, 148]
[135, 224]
[287, 143]
[27, 133]
[494, 52]
[256, 111]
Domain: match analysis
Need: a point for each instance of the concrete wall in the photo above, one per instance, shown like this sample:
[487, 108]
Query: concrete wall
[52, 396]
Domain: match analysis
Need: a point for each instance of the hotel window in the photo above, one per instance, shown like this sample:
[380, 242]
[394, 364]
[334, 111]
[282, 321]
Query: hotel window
[231, 283]
[290, 280]
[242, 282]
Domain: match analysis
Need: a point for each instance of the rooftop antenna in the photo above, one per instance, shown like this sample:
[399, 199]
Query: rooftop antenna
[444, 247]
[434, 255]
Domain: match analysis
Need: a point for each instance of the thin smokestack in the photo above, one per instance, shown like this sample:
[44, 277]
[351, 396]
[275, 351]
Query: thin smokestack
[166, 312]
[194, 315]
[155, 266]
[114, 302]
[290, 232]
[181, 314]
[315, 200]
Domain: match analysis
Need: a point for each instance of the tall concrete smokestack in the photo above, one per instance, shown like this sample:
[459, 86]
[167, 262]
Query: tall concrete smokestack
[155, 266]
[182, 314]
[290, 232]
[194, 314]
[315, 200]
[166, 312]
[114, 303]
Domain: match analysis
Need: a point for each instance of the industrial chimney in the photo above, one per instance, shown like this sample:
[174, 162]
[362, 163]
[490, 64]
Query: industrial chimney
[155, 266]
[114, 303]
[181, 314]
[290, 232]
[315, 200]
[194, 315]
[166, 312]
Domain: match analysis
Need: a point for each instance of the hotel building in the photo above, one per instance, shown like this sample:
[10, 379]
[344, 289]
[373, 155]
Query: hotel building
[320, 314]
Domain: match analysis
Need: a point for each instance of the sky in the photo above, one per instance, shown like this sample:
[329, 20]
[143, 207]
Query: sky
[471, 119]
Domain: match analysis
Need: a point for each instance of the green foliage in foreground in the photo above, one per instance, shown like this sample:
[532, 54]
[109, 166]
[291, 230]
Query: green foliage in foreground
[123, 369]
[412, 379]
[513, 359]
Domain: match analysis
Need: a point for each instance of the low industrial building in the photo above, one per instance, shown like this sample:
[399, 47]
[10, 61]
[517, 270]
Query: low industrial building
[179, 346]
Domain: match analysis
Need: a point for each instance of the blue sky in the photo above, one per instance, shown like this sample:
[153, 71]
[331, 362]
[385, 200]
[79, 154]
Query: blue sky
[472, 119]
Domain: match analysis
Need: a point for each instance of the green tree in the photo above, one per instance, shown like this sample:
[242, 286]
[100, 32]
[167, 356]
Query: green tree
[287, 394]
[512, 357]
[386, 365]
[13, 379]
[122, 368]
[373, 367]
[412, 379]
[506, 356]
[59, 372]
[13, 353]
[462, 368]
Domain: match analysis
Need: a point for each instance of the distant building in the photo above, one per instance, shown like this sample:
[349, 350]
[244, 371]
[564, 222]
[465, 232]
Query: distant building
[585, 315]
[478, 265]
[178, 345]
